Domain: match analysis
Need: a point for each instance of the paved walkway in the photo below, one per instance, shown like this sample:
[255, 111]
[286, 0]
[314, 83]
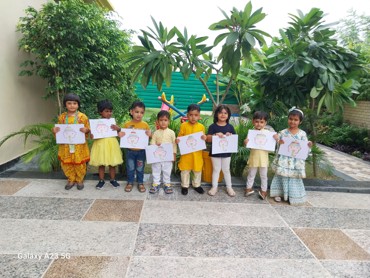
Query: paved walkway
[349, 165]
[47, 231]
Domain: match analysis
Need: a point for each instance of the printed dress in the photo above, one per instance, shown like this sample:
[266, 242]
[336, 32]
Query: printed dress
[289, 171]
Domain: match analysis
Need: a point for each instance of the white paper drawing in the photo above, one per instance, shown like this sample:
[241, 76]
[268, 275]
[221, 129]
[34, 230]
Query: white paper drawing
[226, 144]
[161, 153]
[134, 139]
[191, 143]
[70, 134]
[261, 140]
[100, 128]
[294, 148]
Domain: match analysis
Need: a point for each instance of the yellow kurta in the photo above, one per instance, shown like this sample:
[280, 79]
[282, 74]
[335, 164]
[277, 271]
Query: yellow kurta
[258, 158]
[191, 161]
[82, 153]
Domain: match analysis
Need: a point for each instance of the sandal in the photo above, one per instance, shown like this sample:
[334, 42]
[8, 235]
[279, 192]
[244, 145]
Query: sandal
[154, 188]
[80, 186]
[168, 189]
[141, 188]
[262, 194]
[128, 187]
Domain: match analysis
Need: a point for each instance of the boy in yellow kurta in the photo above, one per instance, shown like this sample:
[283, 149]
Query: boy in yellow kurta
[73, 157]
[191, 162]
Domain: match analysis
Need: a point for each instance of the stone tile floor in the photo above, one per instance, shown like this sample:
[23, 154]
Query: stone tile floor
[47, 231]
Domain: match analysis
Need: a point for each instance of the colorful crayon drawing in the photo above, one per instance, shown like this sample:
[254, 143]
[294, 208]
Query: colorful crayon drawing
[223, 144]
[160, 153]
[191, 142]
[260, 139]
[69, 134]
[133, 138]
[101, 128]
[294, 148]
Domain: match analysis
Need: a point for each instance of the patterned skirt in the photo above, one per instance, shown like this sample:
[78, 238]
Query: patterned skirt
[288, 188]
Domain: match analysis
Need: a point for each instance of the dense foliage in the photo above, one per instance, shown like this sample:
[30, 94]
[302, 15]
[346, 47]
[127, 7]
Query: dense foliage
[77, 48]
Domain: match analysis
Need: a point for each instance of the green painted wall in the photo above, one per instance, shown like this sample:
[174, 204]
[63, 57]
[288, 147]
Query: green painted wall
[185, 92]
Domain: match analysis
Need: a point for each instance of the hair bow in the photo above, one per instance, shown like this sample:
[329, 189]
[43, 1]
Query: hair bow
[296, 109]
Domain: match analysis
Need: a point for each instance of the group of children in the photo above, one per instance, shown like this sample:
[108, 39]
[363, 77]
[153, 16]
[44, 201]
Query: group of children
[106, 152]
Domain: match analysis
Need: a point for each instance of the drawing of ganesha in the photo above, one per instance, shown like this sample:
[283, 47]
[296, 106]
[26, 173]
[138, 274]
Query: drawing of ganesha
[69, 133]
[223, 143]
[101, 128]
[160, 153]
[260, 139]
[191, 142]
[294, 148]
[133, 138]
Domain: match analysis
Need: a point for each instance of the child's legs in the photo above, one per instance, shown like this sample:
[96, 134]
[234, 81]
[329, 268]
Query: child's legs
[197, 178]
[277, 188]
[140, 164]
[216, 168]
[263, 176]
[101, 172]
[296, 191]
[225, 166]
[112, 172]
[80, 172]
[130, 166]
[166, 171]
[69, 172]
[156, 172]
[185, 178]
[251, 175]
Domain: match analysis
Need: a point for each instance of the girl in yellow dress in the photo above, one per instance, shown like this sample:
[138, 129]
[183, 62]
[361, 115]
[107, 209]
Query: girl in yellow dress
[73, 157]
[191, 162]
[106, 151]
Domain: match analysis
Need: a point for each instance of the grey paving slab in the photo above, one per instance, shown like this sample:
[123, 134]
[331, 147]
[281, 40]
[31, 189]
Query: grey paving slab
[55, 188]
[339, 200]
[20, 266]
[345, 269]
[312, 217]
[76, 238]
[43, 208]
[218, 241]
[361, 237]
[210, 213]
[223, 267]
[194, 196]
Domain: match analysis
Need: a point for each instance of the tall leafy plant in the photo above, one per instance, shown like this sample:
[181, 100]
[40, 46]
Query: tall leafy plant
[77, 47]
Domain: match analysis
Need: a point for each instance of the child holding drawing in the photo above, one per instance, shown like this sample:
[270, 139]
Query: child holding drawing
[135, 159]
[160, 136]
[289, 171]
[258, 159]
[73, 157]
[106, 151]
[220, 128]
[191, 162]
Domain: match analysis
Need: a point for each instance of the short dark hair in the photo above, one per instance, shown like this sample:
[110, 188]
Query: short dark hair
[193, 107]
[218, 110]
[137, 103]
[71, 97]
[104, 104]
[163, 113]
[260, 115]
[296, 113]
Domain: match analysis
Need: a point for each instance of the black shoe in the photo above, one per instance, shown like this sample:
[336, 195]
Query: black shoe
[184, 191]
[100, 184]
[69, 186]
[80, 186]
[199, 189]
[115, 183]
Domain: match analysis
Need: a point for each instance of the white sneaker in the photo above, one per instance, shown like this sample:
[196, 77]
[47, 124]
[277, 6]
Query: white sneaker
[212, 191]
[230, 191]
[277, 199]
